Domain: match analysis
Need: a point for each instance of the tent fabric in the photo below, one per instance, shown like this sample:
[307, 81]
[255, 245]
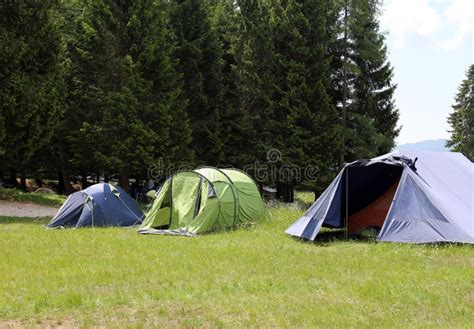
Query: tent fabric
[97, 206]
[432, 201]
[177, 232]
[203, 200]
[226, 193]
[250, 204]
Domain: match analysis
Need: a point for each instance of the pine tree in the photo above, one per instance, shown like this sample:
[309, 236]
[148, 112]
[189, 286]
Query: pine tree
[305, 120]
[286, 76]
[153, 48]
[342, 68]
[362, 89]
[144, 78]
[373, 87]
[124, 93]
[30, 80]
[199, 56]
[461, 119]
[225, 21]
[256, 81]
[312, 121]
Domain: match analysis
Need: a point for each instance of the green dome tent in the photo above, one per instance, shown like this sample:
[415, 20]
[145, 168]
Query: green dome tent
[203, 200]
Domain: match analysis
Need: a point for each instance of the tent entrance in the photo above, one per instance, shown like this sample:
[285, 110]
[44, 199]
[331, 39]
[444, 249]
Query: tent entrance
[371, 191]
[374, 214]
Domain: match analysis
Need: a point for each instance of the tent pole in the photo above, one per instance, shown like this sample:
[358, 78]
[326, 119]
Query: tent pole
[347, 205]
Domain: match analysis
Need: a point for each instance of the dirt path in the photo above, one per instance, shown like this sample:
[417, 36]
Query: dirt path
[20, 209]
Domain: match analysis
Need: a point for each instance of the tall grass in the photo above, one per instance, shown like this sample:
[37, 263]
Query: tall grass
[256, 276]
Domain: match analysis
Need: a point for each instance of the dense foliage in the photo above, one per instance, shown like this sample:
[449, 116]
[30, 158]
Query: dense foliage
[112, 87]
[462, 118]
[31, 80]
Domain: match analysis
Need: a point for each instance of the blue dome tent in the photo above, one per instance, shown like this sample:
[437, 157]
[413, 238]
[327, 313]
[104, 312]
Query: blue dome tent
[97, 206]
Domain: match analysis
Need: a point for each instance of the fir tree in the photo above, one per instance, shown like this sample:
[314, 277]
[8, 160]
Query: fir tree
[153, 48]
[256, 81]
[285, 75]
[461, 119]
[218, 82]
[362, 88]
[312, 123]
[199, 55]
[373, 87]
[125, 95]
[225, 21]
[30, 80]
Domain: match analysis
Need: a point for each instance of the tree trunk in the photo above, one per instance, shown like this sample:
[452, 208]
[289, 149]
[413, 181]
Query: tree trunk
[38, 180]
[84, 180]
[319, 186]
[124, 180]
[344, 91]
[13, 182]
[106, 178]
[23, 180]
[61, 185]
[64, 180]
[316, 190]
[67, 182]
[285, 192]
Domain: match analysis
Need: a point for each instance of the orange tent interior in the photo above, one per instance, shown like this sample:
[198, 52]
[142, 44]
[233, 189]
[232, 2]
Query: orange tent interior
[375, 213]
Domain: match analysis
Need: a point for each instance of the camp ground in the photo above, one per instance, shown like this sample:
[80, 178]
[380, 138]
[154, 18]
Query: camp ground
[238, 274]
[204, 200]
[412, 196]
[236, 164]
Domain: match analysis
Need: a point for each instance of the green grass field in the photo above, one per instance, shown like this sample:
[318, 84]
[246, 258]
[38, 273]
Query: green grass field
[256, 276]
[53, 200]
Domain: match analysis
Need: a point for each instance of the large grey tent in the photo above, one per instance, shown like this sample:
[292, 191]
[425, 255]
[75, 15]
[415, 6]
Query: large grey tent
[98, 205]
[411, 196]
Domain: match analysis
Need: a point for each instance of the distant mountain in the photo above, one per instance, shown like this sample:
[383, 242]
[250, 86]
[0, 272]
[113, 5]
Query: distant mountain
[428, 145]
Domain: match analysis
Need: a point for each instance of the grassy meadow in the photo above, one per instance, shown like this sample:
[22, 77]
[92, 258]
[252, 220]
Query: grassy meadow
[256, 276]
[53, 200]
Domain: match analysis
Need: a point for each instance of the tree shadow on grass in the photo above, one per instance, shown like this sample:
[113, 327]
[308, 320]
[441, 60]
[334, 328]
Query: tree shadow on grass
[24, 220]
[330, 236]
[437, 245]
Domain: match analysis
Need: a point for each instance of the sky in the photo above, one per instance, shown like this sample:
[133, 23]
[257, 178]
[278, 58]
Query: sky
[430, 45]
